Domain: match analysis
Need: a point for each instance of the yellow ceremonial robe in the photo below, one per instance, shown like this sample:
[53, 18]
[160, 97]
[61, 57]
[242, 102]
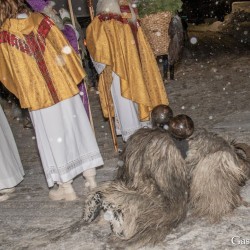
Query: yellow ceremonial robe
[111, 42]
[38, 64]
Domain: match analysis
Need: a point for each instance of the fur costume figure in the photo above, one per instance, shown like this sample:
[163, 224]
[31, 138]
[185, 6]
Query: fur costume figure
[216, 173]
[143, 155]
[215, 167]
[149, 197]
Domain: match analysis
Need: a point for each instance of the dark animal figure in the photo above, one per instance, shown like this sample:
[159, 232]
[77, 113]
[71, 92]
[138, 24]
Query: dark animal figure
[176, 44]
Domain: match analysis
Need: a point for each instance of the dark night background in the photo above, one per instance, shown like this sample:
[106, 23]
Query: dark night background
[196, 11]
[193, 11]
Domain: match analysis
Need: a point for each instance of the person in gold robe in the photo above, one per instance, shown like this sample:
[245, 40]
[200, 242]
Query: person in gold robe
[128, 70]
[42, 70]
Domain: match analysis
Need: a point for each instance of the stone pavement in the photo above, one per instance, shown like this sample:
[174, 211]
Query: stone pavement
[212, 88]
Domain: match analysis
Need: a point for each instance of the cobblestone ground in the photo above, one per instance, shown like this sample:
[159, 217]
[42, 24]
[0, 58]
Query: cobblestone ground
[212, 86]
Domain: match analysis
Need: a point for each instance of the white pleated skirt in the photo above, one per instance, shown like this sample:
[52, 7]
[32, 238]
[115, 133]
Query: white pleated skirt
[11, 169]
[65, 139]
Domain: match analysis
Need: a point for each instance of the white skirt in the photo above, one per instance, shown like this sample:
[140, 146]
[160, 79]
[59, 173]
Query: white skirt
[126, 111]
[11, 169]
[65, 140]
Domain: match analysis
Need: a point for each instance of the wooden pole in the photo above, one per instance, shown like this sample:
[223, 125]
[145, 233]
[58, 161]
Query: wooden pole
[74, 24]
[71, 13]
[107, 75]
[105, 90]
[91, 10]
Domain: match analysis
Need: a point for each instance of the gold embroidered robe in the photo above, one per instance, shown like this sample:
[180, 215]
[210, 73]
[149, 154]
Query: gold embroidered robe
[38, 65]
[110, 41]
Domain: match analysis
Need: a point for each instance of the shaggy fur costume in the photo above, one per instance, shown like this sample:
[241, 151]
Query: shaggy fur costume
[150, 156]
[149, 197]
[216, 173]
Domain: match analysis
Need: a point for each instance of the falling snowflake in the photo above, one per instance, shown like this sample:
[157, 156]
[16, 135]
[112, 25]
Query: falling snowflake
[66, 50]
[79, 8]
[193, 40]
[108, 215]
[81, 93]
[59, 139]
[183, 107]
[210, 117]
[33, 137]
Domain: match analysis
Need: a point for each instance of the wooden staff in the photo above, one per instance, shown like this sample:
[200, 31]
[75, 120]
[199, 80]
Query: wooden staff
[74, 24]
[91, 9]
[105, 90]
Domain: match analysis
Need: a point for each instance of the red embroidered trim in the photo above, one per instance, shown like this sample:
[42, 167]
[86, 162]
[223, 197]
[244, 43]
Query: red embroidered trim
[34, 46]
[110, 16]
[12, 40]
[37, 52]
[44, 27]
